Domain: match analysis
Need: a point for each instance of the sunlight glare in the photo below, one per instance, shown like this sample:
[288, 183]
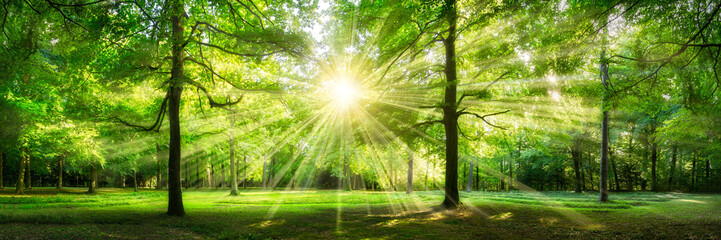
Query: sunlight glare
[345, 93]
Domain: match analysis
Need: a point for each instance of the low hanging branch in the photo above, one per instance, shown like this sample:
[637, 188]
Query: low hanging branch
[158, 121]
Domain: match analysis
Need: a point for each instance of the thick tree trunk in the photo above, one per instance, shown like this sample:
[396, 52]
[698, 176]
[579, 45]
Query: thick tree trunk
[175, 191]
[21, 172]
[60, 173]
[654, 158]
[672, 168]
[409, 183]
[450, 114]
[93, 178]
[28, 178]
[233, 172]
[469, 184]
[603, 186]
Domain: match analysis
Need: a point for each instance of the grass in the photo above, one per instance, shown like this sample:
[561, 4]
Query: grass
[212, 214]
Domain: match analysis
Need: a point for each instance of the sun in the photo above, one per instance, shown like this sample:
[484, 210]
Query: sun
[345, 93]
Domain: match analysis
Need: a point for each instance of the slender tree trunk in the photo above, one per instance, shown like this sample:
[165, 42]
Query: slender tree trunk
[603, 188]
[478, 179]
[21, 172]
[93, 178]
[409, 183]
[198, 181]
[245, 171]
[654, 158]
[469, 184]
[60, 173]
[175, 191]
[222, 176]
[160, 167]
[510, 173]
[672, 169]
[135, 180]
[693, 172]
[450, 114]
[233, 171]
[265, 183]
[503, 176]
[2, 183]
[28, 178]
[576, 156]
[425, 183]
[615, 172]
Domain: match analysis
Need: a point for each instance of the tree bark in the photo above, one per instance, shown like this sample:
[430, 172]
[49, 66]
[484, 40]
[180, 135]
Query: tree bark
[222, 175]
[233, 172]
[503, 176]
[409, 180]
[21, 172]
[60, 173]
[510, 173]
[603, 188]
[93, 178]
[450, 114]
[175, 191]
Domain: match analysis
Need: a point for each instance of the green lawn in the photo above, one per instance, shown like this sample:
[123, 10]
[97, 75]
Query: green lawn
[121, 213]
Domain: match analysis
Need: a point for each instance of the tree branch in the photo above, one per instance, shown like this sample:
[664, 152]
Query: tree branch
[158, 122]
[484, 117]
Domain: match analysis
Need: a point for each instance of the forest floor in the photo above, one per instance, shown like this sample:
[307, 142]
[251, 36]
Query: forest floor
[43, 213]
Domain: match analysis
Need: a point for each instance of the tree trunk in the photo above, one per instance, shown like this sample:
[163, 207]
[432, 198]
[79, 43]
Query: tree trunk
[135, 180]
[450, 114]
[245, 172]
[510, 174]
[265, 182]
[672, 169]
[198, 181]
[654, 158]
[478, 179]
[615, 172]
[160, 167]
[693, 172]
[603, 186]
[503, 176]
[233, 172]
[469, 184]
[2, 183]
[21, 172]
[93, 178]
[576, 156]
[175, 191]
[222, 176]
[60, 173]
[425, 183]
[28, 178]
[409, 183]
